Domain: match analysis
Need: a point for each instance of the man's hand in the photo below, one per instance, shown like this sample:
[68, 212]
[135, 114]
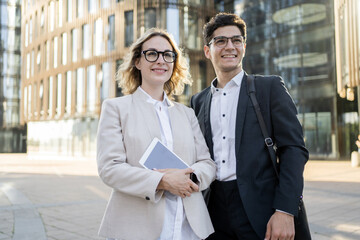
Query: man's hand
[178, 182]
[280, 227]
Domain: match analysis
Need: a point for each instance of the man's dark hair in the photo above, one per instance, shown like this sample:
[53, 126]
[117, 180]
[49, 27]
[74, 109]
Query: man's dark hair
[222, 20]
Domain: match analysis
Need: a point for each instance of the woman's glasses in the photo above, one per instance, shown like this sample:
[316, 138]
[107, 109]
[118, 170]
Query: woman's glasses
[153, 55]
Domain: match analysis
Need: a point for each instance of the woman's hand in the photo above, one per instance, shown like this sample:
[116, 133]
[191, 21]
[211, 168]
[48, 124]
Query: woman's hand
[178, 182]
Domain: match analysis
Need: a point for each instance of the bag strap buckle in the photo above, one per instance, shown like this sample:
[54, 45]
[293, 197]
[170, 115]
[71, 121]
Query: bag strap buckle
[269, 142]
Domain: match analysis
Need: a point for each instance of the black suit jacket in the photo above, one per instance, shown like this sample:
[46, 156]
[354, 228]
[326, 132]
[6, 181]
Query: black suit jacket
[259, 188]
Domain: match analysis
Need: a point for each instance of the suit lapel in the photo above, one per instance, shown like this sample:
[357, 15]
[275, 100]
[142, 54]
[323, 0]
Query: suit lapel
[207, 123]
[148, 112]
[241, 113]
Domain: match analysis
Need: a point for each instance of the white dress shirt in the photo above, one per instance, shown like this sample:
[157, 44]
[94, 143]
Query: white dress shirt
[223, 121]
[176, 225]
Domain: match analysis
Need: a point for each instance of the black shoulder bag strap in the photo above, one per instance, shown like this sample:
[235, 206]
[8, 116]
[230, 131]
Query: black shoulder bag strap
[268, 141]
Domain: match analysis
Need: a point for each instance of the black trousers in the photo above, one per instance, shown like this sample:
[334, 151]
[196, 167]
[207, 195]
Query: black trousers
[227, 213]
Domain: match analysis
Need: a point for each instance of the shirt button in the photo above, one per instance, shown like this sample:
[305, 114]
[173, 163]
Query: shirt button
[223, 115]
[224, 94]
[217, 90]
[224, 137]
[223, 161]
[147, 198]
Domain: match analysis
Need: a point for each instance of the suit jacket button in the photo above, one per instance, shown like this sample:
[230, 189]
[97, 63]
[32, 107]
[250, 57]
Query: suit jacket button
[147, 198]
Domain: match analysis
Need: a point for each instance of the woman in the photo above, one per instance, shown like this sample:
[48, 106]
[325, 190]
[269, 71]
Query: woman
[153, 204]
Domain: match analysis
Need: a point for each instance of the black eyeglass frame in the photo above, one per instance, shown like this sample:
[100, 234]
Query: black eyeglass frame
[158, 54]
[227, 39]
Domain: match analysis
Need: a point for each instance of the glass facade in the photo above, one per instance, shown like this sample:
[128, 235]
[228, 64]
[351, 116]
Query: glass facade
[12, 134]
[296, 40]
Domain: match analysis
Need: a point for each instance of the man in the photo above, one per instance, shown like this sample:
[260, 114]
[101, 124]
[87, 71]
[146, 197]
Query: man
[247, 201]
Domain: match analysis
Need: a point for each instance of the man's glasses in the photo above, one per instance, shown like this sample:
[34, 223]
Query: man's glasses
[153, 55]
[222, 41]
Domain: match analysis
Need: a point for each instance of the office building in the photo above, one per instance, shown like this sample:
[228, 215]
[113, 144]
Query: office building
[71, 50]
[296, 39]
[12, 133]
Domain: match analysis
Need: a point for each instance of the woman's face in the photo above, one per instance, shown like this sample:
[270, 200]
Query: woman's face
[155, 72]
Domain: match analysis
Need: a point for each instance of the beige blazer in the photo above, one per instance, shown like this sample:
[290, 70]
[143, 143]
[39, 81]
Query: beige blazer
[136, 210]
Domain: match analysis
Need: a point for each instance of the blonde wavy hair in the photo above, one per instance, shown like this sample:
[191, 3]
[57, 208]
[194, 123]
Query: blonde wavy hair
[129, 77]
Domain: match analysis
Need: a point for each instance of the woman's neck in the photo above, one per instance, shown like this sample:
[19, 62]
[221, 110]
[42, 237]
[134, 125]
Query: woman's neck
[156, 93]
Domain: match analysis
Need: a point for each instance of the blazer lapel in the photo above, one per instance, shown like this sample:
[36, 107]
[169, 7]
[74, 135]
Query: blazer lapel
[148, 112]
[208, 135]
[241, 113]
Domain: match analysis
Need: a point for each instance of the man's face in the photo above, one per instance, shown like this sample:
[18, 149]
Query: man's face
[226, 58]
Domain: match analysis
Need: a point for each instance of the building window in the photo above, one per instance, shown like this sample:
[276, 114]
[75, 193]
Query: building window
[28, 65]
[150, 18]
[38, 59]
[64, 48]
[105, 80]
[74, 41]
[55, 52]
[86, 41]
[10, 38]
[91, 86]
[36, 25]
[10, 15]
[79, 8]
[79, 89]
[51, 18]
[58, 95]
[105, 3]
[60, 16]
[92, 6]
[69, 10]
[35, 96]
[68, 92]
[118, 91]
[50, 95]
[129, 28]
[193, 41]
[30, 30]
[172, 22]
[98, 38]
[42, 20]
[111, 33]
[41, 97]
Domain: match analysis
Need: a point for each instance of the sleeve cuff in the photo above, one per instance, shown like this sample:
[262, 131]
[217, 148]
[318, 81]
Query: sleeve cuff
[277, 210]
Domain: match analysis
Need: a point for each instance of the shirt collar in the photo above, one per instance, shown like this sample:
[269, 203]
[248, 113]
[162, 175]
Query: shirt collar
[165, 101]
[235, 80]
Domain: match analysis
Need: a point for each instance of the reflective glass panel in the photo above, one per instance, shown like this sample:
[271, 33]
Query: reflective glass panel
[111, 33]
[129, 28]
[91, 88]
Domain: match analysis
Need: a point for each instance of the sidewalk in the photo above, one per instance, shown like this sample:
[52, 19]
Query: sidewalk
[332, 198]
[65, 200]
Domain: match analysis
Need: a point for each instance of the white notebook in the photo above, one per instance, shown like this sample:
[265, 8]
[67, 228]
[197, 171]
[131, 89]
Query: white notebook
[158, 156]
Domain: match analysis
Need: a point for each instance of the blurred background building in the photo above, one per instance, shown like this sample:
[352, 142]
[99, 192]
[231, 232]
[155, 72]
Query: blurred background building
[12, 133]
[347, 39]
[72, 48]
[296, 39]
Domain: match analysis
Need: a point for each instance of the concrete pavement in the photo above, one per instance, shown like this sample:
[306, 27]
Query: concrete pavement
[65, 200]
